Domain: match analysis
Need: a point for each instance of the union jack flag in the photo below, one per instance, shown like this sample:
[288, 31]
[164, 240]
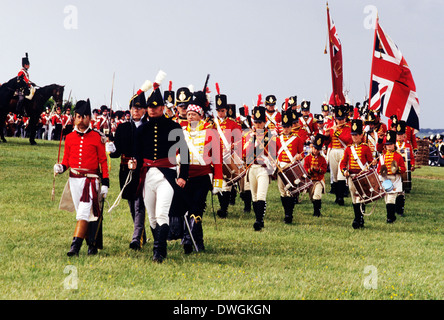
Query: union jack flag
[337, 96]
[392, 89]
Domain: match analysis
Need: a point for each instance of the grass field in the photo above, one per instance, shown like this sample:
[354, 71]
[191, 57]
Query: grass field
[311, 259]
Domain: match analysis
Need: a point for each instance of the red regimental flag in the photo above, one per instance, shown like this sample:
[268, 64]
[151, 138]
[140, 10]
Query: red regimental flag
[392, 89]
[337, 96]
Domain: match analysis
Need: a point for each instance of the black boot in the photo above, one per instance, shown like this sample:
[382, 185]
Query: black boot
[317, 208]
[391, 208]
[358, 221]
[288, 204]
[95, 237]
[259, 210]
[224, 200]
[75, 246]
[339, 189]
[333, 188]
[160, 235]
[246, 198]
[400, 202]
[233, 194]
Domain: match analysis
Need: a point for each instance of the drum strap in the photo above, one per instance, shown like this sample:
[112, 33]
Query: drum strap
[227, 146]
[355, 155]
[306, 125]
[284, 147]
[271, 119]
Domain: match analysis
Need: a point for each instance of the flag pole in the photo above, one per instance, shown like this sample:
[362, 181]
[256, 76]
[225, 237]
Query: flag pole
[373, 56]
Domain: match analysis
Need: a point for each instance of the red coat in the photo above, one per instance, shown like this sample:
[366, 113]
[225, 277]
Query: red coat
[56, 119]
[388, 158]
[85, 151]
[309, 125]
[316, 166]
[341, 134]
[231, 130]
[295, 147]
[349, 162]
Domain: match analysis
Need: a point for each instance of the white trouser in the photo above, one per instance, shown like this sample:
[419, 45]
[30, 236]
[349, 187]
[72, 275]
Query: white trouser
[157, 196]
[334, 159]
[259, 181]
[83, 209]
[316, 190]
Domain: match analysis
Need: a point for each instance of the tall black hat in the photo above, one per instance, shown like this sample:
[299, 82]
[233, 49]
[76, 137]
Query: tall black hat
[287, 118]
[183, 96]
[394, 121]
[270, 100]
[221, 99]
[400, 127]
[25, 60]
[319, 118]
[318, 141]
[295, 114]
[155, 99]
[292, 101]
[371, 117]
[259, 113]
[243, 111]
[390, 137]
[305, 105]
[83, 108]
[138, 101]
[325, 107]
[103, 108]
[356, 126]
[168, 96]
[231, 110]
[340, 112]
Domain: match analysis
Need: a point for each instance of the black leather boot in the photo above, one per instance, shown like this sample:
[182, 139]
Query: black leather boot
[288, 204]
[259, 211]
[400, 202]
[317, 208]
[358, 221]
[75, 246]
[224, 200]
[339, 189]
[391, 208]
[246, 198]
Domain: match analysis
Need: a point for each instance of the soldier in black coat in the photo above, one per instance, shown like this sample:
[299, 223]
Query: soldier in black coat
[124, 147]
[159, 141]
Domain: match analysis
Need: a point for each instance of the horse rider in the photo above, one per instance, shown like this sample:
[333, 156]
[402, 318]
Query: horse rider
[23, 72]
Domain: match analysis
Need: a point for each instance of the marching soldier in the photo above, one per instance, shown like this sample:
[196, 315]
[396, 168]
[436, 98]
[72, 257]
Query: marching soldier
[274, 118]
[169, 98]
[205, 154]
[290, 149]
[391, 166]
[156, 157]
[183, 97]
[57, 123]
[340, 138]
[259, 145]
[357, 158]
[371, 135]
[246, 124]
[307, 121]
[103, 121]
[67, 120]
[85, 156]
[404, 147]
[124, 147]
[316, 167]
[228, 130]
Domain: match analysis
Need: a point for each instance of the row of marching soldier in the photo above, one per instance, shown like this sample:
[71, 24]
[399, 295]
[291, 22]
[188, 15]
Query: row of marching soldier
[175, 151]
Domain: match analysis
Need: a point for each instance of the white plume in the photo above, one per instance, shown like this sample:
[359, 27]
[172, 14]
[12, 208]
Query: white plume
[146, 86]
[160, 77]
[191, 87]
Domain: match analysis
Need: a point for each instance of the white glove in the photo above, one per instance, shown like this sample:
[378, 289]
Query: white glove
[58, 168]
[104, 191]
[110, 147]
[217, 190]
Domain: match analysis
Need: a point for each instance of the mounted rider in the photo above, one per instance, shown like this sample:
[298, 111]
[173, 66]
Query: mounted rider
[28, 91]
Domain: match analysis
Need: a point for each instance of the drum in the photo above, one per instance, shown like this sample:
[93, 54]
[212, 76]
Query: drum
[233, 169]
[295, 178]
[368, 186]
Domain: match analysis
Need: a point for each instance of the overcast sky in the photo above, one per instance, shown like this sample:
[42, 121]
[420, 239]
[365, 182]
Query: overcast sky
[249, 47]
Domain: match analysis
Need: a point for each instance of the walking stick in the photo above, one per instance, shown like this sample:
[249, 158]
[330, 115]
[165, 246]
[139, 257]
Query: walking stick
[58, 161]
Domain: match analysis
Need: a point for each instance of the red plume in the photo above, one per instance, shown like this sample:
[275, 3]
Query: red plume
[170, 88]
[217, 88]
[259, 100]
[356, 113]
[286, 103]
[246, 110]
[155, 86]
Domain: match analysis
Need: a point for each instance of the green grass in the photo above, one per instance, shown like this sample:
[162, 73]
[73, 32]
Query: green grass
[312, 259]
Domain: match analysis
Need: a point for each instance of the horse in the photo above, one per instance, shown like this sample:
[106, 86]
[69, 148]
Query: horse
[34, 107]
[7, 91]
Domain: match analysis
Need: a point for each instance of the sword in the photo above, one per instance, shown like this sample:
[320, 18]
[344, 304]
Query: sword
[100, 222]
[189, 230]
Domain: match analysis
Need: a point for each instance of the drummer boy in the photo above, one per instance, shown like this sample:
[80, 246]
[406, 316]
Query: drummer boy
[391, 166]
[357, 158]
[290, 148]
[316, 167]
